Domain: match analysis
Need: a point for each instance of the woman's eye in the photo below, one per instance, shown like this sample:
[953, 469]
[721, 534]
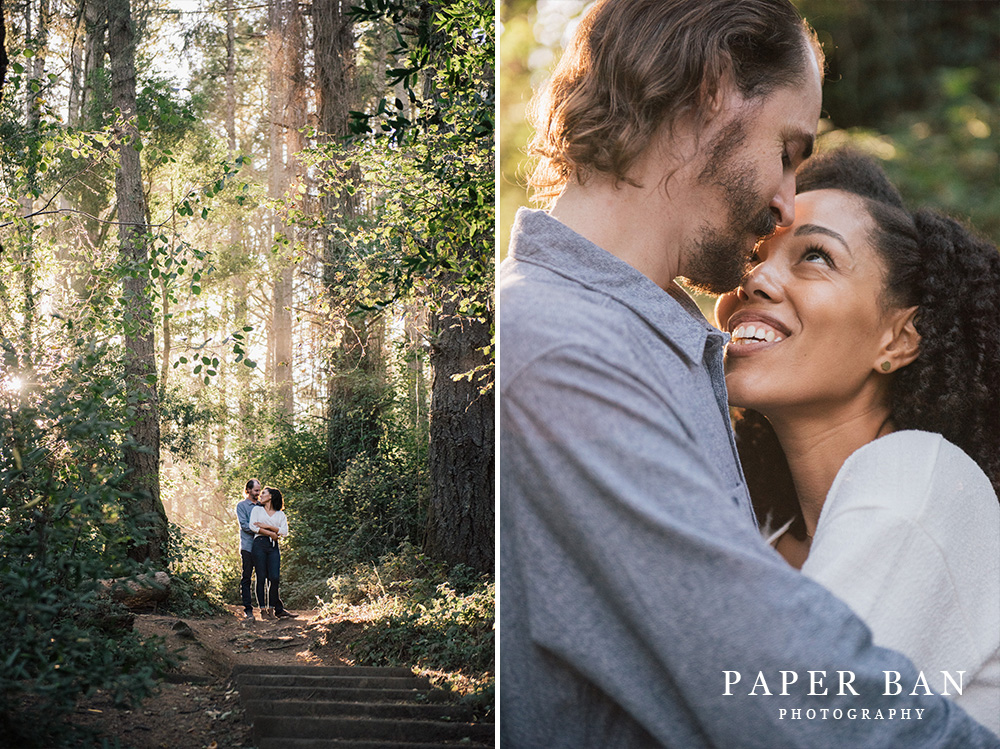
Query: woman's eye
[817, 254]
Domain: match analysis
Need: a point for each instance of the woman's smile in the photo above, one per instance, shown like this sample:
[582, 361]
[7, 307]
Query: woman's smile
[753, 331]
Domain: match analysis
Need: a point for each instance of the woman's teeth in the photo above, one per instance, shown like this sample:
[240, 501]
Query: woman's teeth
[751, 333]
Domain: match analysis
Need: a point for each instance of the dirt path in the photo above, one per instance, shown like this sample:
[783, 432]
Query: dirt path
[198, 706]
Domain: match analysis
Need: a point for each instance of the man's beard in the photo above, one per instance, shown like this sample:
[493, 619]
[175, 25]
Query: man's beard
[718, 260]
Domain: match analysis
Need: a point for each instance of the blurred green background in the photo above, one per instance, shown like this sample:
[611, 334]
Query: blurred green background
[914, 82]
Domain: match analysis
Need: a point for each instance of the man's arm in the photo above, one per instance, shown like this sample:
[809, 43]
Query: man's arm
[243, 512]
[630, 546]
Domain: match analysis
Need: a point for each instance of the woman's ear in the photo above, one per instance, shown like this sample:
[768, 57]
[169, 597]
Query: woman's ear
[902, 341]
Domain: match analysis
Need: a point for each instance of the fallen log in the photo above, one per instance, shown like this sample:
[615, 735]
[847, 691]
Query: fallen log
[136, 593]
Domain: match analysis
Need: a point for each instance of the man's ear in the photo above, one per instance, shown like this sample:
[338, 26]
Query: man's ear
[715, 97]
[902, 341]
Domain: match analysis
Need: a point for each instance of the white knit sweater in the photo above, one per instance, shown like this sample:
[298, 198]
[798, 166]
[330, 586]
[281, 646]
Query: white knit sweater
[909, 538]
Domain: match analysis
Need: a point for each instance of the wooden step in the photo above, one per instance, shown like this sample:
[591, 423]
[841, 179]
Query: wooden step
[368, 729]
[327, 707]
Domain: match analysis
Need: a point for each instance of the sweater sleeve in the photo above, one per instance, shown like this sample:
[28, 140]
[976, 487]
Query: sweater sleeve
[256, 519]
[886, 567]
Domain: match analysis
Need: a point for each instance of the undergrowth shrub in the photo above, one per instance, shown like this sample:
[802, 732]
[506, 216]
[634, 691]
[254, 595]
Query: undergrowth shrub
[202, 580]
[63, 529]
[375, 505]
[425, 614]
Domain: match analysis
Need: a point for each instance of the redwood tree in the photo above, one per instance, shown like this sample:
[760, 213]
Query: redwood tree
[142, 455]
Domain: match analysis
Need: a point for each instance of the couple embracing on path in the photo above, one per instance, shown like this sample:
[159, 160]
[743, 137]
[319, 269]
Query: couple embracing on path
[828, 573]
[262, 523]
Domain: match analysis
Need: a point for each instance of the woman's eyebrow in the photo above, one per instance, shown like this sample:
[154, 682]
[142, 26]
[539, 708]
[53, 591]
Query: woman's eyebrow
[817, 229]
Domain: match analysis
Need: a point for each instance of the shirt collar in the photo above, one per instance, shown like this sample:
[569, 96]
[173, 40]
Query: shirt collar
[541, 240]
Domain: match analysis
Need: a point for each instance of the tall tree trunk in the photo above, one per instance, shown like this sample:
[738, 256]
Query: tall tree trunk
[236, 242]
[460, 461]
[142, 457]
[91, 197]
[357, 386]
[3, 51]
[281, 331]
[230, 79]
[93, 95]
[36, 38]
[76, 81]
[286, 46]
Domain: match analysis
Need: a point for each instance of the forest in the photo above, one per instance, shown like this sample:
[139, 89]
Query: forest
[242, 240]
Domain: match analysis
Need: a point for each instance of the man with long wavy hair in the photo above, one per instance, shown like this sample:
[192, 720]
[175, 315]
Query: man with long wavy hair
[638, 604]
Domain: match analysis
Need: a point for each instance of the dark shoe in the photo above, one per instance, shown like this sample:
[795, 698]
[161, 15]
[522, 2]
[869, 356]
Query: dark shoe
[248, 615]
[284, 614]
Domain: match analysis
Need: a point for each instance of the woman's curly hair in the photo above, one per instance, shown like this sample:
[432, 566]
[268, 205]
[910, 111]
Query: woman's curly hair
[953, 278]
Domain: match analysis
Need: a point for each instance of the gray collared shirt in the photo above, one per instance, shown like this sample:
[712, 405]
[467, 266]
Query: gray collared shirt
[632, 575]
[243, 509]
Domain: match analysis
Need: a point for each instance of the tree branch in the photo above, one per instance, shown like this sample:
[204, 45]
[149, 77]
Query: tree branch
[43, 212]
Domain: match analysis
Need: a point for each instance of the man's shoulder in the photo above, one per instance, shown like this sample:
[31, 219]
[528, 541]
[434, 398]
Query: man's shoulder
[540, 312]
[531, 292]
[545, 314]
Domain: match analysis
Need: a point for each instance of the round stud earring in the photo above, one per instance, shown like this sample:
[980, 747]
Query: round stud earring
[886, 366]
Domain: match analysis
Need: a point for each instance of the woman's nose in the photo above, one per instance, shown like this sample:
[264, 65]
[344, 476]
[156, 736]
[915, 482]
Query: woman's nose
[761, 282]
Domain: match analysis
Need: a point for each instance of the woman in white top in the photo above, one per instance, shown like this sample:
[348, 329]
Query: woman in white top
[268, 523]
[866, 351]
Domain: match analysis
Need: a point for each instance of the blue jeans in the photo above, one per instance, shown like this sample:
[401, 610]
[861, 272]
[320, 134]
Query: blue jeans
[267, 566]
[246, 579]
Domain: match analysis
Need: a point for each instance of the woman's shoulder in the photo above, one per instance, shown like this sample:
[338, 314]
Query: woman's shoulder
[908, 469]
[913, 448]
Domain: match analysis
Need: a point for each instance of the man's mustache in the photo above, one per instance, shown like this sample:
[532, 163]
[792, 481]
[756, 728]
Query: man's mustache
[764, 224]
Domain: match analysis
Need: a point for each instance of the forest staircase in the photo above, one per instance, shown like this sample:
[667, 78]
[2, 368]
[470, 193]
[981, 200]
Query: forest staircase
[350, 707]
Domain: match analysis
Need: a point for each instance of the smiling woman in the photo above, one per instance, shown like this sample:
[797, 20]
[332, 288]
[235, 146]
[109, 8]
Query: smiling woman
[815, 289]
[866, 341]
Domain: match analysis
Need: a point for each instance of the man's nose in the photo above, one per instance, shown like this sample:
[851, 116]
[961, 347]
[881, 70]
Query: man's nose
[783, 203]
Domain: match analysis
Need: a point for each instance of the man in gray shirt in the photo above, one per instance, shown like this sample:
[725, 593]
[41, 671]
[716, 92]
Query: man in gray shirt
[244, 507]
[638, 604]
